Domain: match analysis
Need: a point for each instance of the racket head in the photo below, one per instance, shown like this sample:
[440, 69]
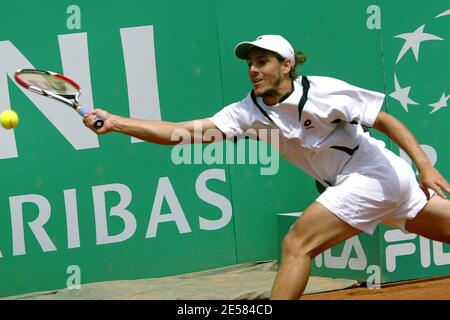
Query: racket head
[54, 85]
[47, 83]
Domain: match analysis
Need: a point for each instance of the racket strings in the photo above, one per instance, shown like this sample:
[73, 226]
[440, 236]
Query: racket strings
[49, 82]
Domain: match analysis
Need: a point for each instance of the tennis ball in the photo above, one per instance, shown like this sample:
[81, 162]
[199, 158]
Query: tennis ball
[9, 119]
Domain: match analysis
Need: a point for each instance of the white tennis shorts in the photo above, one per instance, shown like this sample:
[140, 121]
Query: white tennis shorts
[382, 189]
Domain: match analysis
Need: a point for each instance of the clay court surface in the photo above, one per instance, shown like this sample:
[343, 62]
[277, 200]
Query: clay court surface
[422, 289]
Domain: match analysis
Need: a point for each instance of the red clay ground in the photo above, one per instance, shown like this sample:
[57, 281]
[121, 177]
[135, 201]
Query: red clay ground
[422, 289]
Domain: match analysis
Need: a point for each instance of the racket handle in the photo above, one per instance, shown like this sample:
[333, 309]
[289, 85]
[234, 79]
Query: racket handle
[98, 121]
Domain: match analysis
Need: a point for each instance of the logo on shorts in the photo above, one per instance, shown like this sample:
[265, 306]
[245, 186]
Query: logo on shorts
[308, 124]
[434, 62]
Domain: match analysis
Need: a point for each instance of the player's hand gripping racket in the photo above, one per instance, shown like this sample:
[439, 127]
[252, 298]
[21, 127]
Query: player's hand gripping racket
[55, 86]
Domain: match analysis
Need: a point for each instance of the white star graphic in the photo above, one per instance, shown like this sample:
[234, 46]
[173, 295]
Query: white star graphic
[445, 13]
[440, 104]
[402, 95]
[413, 41]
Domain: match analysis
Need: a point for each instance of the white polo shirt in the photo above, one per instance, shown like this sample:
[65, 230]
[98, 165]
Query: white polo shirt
[320, 124]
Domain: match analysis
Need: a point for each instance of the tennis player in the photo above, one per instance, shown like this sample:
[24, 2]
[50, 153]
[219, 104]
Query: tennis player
[321, 122]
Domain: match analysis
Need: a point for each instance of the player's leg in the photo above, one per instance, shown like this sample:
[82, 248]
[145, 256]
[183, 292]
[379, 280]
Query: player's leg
[316, 230]
[433, 221]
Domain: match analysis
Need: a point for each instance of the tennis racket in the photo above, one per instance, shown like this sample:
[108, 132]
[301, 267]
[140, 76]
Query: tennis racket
[56, 86]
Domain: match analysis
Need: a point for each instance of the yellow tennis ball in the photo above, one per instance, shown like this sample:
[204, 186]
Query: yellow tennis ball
[9, 119]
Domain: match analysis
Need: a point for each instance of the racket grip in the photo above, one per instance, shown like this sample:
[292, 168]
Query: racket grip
[98, 121]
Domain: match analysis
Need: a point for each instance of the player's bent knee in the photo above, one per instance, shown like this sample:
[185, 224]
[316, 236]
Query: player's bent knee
[294, 246]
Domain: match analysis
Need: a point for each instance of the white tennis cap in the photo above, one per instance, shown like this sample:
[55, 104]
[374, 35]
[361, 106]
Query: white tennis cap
[274, 43]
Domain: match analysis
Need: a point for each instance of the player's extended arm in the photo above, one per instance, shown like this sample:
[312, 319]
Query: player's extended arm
[155, 131]
[428, 175]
